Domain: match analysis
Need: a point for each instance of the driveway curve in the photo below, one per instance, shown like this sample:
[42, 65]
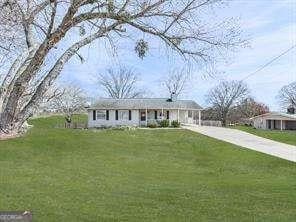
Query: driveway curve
[247, 140]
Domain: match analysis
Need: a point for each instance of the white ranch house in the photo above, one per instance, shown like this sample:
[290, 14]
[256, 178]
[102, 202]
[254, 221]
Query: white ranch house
[141, 112]
[273, 120]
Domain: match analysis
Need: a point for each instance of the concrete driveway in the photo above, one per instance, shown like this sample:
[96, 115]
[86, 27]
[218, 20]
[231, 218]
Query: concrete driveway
[247, 140]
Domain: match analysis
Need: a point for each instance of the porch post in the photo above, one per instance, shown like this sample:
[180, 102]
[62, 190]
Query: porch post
[199, 118]
[281, 124]
[178, 117]
[162, 113]
[146, 115]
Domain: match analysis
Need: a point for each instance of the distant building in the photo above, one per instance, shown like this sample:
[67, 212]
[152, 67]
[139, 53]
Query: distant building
[273, 120]
[142, 111]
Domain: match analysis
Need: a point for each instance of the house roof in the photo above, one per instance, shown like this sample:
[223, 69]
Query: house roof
[146, 103]
[276, 115]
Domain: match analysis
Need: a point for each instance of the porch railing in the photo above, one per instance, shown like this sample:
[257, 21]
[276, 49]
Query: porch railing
[211, 123]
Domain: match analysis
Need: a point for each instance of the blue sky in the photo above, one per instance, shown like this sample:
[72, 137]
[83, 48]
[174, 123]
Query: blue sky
[271, 26]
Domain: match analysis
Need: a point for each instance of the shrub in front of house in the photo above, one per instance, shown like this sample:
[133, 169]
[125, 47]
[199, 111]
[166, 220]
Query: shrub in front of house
[175, 124]
[152, 125]
[103, 127]
[164, 123]
[124, 128]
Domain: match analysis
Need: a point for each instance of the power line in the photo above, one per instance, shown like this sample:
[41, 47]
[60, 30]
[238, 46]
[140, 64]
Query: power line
[268, 63]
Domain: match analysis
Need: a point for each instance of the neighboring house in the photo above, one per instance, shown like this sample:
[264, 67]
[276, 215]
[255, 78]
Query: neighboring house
[141, 112]
[280, 121]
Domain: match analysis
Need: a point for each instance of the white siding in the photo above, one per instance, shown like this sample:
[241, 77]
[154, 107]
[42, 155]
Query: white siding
[173, 115]
[184, 118]
[112, 122]
[260, 123]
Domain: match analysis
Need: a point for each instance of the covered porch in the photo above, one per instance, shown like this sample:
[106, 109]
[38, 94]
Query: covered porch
[282, 124]
[184, 116]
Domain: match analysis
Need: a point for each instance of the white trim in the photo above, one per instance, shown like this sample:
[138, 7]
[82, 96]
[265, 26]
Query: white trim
[146, 116]
[281, 124]
[147, 109]
[291, 116]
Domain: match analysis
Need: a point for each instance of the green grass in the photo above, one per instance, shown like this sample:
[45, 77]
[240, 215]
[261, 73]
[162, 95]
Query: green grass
[285, 136]
[141, 175]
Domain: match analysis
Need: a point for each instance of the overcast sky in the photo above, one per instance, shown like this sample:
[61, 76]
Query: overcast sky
[271, 27]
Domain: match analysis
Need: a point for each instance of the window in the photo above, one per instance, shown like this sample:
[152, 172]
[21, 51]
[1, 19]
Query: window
[143, 116]
[168, 114]
[129, 115]
[123, 114]
[107, 114]
[116, 114]
[189, 113]
[101, 114]
[94, 115]
[155, 114]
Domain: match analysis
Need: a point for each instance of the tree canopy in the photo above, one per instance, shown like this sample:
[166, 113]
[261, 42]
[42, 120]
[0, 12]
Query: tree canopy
[287, 95]
[34, 32]
[225, 96]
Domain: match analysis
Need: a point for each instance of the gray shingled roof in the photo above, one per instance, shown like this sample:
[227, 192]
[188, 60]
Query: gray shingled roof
[153, 103]
[291, 116]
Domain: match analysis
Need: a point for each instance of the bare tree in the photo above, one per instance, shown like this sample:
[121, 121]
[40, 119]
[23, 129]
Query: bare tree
[46, 104]
[246, 109]
[35, 36]
[176, 81]
[287, 95]
[225, 96]
[70, 100]
[249, 108]
[120, 83]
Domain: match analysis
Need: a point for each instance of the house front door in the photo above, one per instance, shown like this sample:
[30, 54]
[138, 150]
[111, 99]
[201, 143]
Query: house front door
[143, 116]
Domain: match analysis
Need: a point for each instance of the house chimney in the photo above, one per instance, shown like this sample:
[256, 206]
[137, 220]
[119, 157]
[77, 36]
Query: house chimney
[173, 97]
[291, 110]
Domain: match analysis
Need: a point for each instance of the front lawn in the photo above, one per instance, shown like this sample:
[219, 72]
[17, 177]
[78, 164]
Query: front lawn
[141, 175]
[284, 136]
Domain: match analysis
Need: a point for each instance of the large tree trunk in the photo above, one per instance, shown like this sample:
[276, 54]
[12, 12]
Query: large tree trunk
[224, 118]
[10, 121]
[224, 122]
[12, 127]
[13, 115]
[10, 124]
